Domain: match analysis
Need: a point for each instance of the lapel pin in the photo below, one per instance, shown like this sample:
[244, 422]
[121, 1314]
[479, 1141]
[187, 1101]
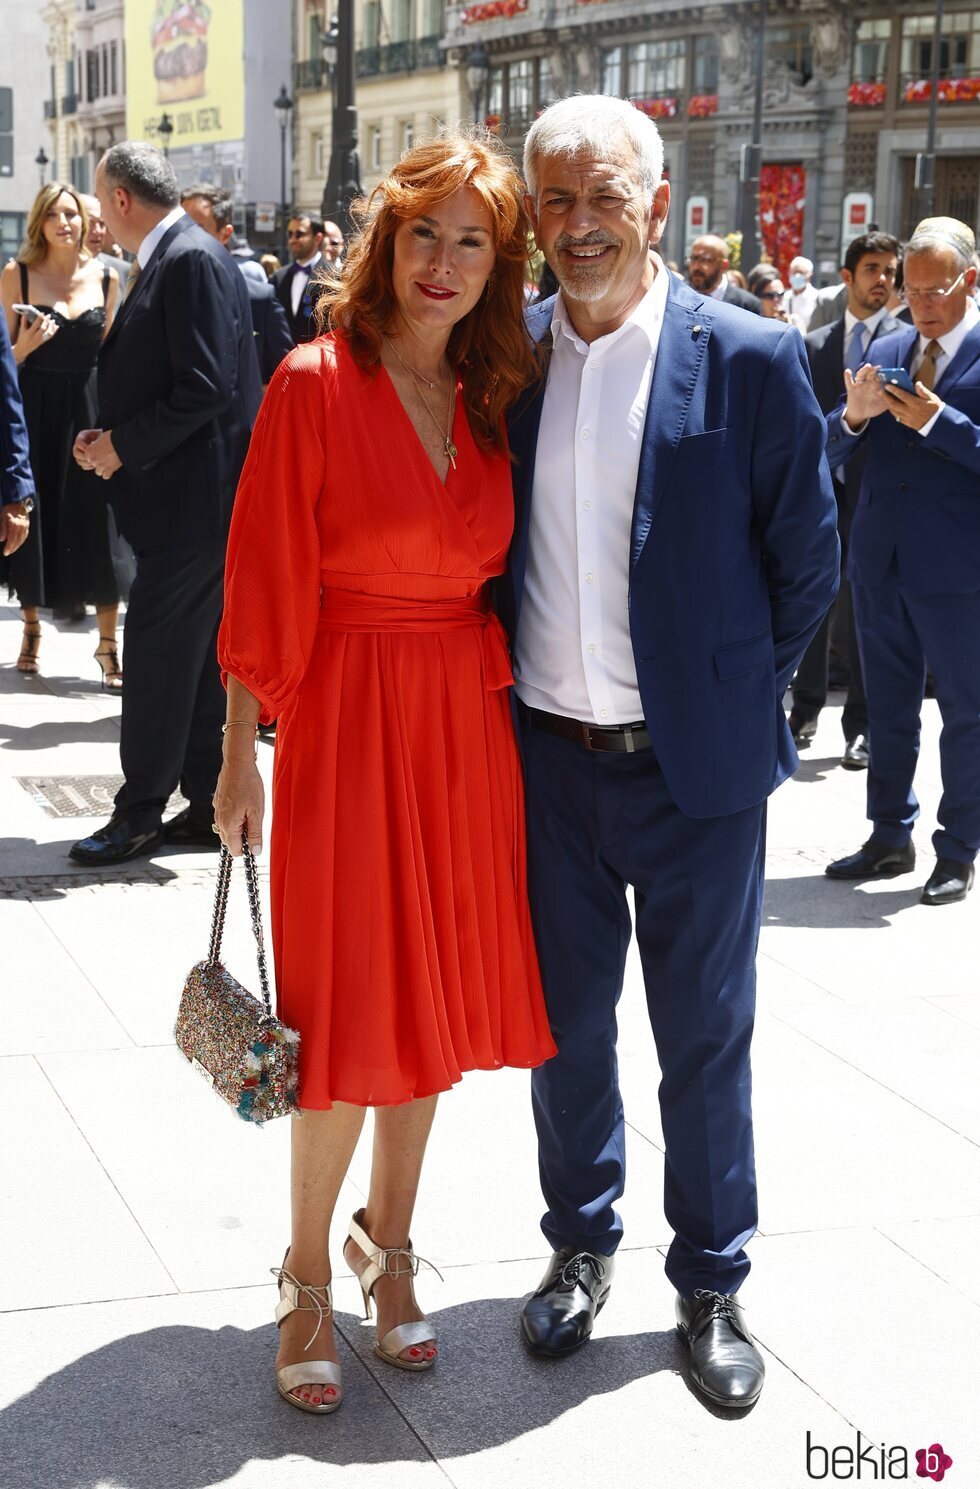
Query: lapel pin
[695, 330]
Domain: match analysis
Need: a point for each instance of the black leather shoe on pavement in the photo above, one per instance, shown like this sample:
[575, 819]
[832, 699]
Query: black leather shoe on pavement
[116, 842]
[873, 861]
[949, 881]
[558, 1318]
[183, 831]
[726, 1367]
[802, 730]
[855, 756]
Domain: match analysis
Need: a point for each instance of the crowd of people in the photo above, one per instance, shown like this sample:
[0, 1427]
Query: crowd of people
[522, 587]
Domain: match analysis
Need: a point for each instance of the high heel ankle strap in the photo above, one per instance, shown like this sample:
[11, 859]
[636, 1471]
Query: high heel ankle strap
[380, 1257]
[291, 1290]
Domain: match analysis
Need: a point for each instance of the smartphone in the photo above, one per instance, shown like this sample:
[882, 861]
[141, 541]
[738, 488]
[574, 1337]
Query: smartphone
[29, 312]
[897, 376]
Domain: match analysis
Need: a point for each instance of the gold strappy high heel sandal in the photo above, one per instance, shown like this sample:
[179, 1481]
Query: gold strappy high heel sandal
[307, 1372]
[29, 647]
[416, 1337]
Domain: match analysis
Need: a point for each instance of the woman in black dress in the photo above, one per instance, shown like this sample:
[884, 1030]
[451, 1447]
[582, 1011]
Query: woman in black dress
[73, 555]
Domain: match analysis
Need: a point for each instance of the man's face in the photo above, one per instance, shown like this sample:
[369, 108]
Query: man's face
[870, 285]
[333, 242]
[112, 217]
[594, 226]
[97, 230]
[202, 212]
[706, 263]
[925, 273]
[303, 241]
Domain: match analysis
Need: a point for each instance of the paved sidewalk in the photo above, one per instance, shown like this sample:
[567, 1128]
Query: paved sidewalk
[139, 1219]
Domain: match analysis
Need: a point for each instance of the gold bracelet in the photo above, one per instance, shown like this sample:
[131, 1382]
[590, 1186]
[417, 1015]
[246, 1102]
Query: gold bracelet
[246, 723]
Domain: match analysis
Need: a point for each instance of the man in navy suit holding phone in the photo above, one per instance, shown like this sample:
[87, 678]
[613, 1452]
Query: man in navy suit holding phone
[674, 550]
[914, 562]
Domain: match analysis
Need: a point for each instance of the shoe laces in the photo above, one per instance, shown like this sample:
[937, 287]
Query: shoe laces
[305, 1289]
[384, 1256]
[571, 1272]
[722, 1306]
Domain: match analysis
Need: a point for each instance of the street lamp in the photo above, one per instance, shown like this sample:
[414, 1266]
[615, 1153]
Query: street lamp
[925, 161]
[478, 80]
[41, 160]
[750, 165]
[343, 183]
[283, 106]
[165, 129]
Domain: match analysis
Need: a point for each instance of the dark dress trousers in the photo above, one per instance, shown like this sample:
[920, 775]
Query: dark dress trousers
[16, 476]
[825, 352]
[273, 339]
[179, 389]
[914, 567]
[733, 564]
[302, 325]
[735, 295]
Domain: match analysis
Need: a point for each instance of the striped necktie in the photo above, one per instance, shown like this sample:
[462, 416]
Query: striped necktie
[927, 367]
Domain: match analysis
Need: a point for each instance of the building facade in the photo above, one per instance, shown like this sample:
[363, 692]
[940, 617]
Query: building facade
[24, 82]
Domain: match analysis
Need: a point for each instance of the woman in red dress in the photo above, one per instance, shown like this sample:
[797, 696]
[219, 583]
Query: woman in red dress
[373, 510]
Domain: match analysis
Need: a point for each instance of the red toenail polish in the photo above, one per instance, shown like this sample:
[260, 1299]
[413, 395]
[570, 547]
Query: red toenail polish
[331, 1391]
[430, 1354]
[415, 1353]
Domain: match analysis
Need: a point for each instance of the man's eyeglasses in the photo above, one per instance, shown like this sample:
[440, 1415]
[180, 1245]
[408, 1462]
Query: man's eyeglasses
[703, 258]
[932, 297]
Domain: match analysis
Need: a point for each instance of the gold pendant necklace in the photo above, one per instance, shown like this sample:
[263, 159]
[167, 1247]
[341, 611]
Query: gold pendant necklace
[419, 377]
[447, 438]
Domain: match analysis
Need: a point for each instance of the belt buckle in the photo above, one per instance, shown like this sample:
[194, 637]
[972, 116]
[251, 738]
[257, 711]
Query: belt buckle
[628, 736]
[587, 735]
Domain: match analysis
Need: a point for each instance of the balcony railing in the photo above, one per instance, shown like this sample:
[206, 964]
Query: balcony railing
[309, 76]
[399, 56]
[69, 103]
[50, 108]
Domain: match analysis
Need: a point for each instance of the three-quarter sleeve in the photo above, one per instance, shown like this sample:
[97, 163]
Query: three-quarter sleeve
[272, 571]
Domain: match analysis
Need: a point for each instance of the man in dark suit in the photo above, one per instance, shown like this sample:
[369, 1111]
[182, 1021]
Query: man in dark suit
[295, 283]
[707, 269]
[213, 209]
[16, 476]
[870, 265]
[674, 550]
[178, 392]
[914, 561]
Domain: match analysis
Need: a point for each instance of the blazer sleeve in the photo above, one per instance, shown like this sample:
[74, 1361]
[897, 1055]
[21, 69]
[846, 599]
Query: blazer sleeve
[272, 570]
[956, 437]
[794, 502]
[16, 476]
[202, 331]
[276, 340]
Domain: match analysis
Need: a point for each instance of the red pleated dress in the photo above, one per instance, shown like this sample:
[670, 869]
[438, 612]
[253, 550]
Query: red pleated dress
[356, 610]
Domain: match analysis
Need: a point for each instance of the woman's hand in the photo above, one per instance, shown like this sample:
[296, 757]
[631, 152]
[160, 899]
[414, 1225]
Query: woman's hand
[239, 801]
[33, 335]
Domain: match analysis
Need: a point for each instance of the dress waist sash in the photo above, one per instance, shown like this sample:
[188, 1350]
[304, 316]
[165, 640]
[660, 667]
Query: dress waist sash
[346, 610]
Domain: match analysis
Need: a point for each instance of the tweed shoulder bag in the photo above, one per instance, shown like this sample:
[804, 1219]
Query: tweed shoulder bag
[229, 1036]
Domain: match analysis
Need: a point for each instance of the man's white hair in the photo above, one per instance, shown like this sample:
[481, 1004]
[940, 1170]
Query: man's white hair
[806, 265]
[595, 124]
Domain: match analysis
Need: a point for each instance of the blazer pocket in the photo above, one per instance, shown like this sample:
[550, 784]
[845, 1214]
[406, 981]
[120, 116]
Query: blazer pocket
[708, 439]
[744, 656]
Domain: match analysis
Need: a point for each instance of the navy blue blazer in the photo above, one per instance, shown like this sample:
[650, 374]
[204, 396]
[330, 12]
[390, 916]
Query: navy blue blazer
[734, 558]
[16, 476]
[920, 497]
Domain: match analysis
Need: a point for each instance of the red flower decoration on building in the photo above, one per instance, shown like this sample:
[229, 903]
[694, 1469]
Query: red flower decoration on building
[702, 105]
[782, 197]
[657, 108]
[951, 90]
[866, 95]
[492, 10]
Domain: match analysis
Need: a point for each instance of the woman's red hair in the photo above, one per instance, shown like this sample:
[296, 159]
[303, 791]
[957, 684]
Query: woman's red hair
[490, 345]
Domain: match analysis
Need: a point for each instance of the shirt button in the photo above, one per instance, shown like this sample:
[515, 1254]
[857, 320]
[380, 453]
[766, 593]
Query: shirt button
[586, 506]
[603, 713]
[903, 485]
[588, 578]
[585, 433]
[593, 363]
[591, 651]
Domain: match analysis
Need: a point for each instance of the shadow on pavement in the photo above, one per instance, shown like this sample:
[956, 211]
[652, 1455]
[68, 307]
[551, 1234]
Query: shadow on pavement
[43, 871]
[817, 768]
[819, 903]
[47, 736]
[188, 1407]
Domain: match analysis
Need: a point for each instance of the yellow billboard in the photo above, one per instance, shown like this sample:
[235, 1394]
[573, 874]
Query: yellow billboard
[185, 59]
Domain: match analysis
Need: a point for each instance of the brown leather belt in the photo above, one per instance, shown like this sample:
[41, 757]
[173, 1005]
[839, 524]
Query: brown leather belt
[626, 738]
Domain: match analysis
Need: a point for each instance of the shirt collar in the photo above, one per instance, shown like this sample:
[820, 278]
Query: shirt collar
[953, 340]
[145, 251]
[870, 323]
[305, 263]
[646, 317]
[718, 293]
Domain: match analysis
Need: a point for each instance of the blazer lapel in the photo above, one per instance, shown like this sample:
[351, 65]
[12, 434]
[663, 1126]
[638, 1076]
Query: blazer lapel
[146, 275]
[964, 360]
[683, 342]
[522, 433]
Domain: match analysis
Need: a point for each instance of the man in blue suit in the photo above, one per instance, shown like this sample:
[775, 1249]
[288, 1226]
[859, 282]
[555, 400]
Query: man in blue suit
[16, 476]
[675, 549]
[914, 561]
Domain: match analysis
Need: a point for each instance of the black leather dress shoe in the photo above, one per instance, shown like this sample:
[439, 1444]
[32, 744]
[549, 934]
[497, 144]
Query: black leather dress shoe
[116, 842]
[855, 756]
[183, 831]
[949, 881]
[873, 861]
[558, 1318]
[726, 1367]
[802, 730]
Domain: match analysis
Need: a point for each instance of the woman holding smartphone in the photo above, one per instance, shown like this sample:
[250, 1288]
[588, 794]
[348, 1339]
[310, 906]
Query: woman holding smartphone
[64, 300]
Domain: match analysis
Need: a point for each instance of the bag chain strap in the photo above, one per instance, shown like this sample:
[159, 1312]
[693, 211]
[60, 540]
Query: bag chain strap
[221, 908]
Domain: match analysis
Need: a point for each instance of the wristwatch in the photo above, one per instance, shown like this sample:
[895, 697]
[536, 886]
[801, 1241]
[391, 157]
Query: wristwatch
[28, 504]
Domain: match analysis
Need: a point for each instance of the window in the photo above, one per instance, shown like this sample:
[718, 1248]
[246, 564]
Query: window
[959, 52]
[434, 17]
[316, 155]
[372, 23]
[870, 64]
[705, 64]
[375, 155]
[520, 90]
[12, 225]
[408, 134]
[113, 67]
[105, 69]
[495, 99]
[547, 92]
[6, 131]
[314, 30]
[656, 68]
[92, 75]
[793, 46]
[401, 20]
[611, 71]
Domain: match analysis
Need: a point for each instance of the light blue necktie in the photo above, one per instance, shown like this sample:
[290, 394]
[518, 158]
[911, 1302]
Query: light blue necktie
[855, 358]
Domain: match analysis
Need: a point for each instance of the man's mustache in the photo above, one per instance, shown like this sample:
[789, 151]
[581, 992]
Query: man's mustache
[593, 240]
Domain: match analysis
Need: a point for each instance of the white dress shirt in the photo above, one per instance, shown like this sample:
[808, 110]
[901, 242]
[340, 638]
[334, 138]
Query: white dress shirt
[145, 251]
[718, 293]
[300, 282]
[573, 654]
[801, 306]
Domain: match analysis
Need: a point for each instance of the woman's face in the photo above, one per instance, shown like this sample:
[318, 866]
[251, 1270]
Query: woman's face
[771, 296]
[442, 262]
[63, 222]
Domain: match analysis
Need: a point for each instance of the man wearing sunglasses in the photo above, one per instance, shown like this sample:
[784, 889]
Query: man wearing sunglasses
[914, 562]
[296, 283]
